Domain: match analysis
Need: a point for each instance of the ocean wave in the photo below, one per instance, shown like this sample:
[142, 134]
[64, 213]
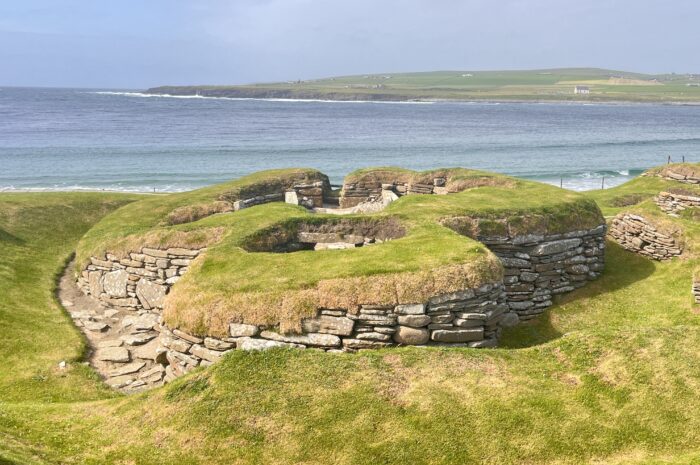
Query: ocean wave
[108, 188]
[286, 100]
[587, 174]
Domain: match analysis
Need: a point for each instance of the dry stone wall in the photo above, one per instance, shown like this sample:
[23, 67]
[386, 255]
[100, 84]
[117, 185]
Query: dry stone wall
[150, 353]
[674, 203]
[139, 282]
[131, 293]
[374, 190]
[469, 318]
[124, 323]
[639, 235]
[538, 267]
[671, 175]
[309, 195]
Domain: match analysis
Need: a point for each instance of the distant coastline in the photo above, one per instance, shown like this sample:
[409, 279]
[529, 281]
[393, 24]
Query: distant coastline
[572, 85]
[359, 98]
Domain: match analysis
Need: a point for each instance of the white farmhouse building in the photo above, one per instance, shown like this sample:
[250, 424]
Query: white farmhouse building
[582, 90]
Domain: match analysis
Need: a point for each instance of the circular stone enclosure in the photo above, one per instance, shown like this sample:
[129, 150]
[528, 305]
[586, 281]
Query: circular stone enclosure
[327, 234]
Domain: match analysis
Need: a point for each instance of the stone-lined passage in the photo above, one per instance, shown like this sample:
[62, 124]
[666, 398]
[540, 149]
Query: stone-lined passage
[123, 323]
[639, 235]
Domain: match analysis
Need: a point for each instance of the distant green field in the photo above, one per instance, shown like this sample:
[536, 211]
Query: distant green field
[547, 85]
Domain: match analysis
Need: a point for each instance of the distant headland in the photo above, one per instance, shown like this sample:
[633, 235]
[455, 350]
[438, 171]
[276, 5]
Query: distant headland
[562, 84]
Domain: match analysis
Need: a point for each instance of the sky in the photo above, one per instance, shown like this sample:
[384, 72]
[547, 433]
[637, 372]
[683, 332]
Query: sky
[136, 44]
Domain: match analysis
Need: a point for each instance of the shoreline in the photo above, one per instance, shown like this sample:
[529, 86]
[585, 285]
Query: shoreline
[614, 102]
[40, 190]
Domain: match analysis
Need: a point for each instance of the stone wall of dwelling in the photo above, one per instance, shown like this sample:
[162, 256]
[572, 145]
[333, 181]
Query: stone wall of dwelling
[308, 195]
[469, 318]
[674, 203]
[374, 191]
[538, 267]
[139, 282]
[673, 176]
[125, 327]
[637, 234]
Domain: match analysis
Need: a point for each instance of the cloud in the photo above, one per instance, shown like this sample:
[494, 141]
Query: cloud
[137, 44]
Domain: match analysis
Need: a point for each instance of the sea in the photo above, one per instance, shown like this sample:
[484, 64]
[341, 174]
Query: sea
[126, 140]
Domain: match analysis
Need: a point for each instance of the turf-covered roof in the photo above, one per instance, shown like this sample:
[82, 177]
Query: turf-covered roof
[231, 283]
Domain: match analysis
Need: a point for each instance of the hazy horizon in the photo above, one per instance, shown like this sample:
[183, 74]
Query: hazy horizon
[133, 45]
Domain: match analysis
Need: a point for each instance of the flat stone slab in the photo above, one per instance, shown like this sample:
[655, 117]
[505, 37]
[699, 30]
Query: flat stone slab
[311, 339]
[109, 343]
[126, 369]
[247, 343]
[416, 321]
[325, 324]
[137, 339]
[114, 283]
[113, 354]
[458, 335]
[411, 336]
[206, 354]
[96, 326]
[410, 309]
[150, 294]
[555, 247]
[242, 330]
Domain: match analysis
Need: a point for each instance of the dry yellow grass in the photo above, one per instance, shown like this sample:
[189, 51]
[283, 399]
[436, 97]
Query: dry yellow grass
[158, 239]
[190, 213]
[192, 310]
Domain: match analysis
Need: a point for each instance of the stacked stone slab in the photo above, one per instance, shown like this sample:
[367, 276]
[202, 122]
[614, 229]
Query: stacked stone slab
[639, 235]
[674, 203]
[469, 318]
[673, 176]
[696, 289]
[309, 195]
[537, 267]
[139, 282]
[258, 200]
[124, 328]
[355, 193]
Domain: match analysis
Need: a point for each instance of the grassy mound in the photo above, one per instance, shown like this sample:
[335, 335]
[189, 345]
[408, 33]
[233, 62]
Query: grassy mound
[232, 283]
[674, 170]
[642, 190]
[456, 179]
[608, 375]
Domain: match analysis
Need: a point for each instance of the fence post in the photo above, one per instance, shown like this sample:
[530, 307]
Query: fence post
[602, 183]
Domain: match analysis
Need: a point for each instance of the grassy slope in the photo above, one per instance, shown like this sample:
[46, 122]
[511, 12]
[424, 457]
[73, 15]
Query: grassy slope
[609, 375]
[554, 84]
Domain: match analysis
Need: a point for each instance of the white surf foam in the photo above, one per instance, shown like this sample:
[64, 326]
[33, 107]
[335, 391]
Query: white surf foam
[290, 100]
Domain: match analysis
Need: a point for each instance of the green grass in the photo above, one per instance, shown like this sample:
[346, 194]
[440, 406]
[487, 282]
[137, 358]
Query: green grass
[608, 375]
[525, 85]
[230, 283]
